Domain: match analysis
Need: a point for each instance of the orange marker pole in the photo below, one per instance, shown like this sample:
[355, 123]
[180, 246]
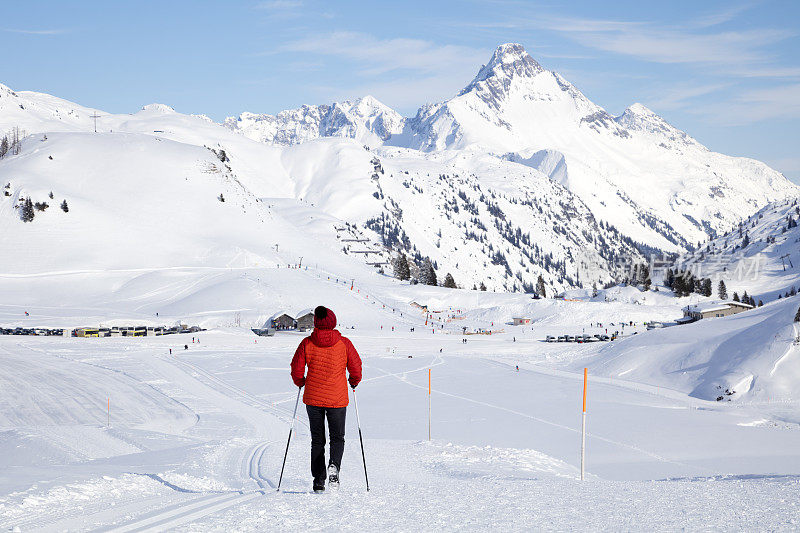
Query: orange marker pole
[583, 429]
[108, 420]
[429, 404]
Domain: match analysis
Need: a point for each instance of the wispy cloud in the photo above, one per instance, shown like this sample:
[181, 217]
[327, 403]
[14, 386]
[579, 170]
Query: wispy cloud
[378, 56]
[722, 16]
[282, 9]
[757, 105]
[682, 95]
[672, 45]
[273, 5]
[35, 32]
[402, 72]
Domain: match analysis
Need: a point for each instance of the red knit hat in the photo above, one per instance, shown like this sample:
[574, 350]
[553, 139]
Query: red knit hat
[324, 318]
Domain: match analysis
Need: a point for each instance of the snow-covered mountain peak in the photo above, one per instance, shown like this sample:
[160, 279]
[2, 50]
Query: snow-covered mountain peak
[6, 91]
[158, 108]
[365, 119]
[640, 118]
[508, 60]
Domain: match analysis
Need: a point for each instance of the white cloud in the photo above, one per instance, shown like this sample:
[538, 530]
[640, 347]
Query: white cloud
[757, 105]
[401, 72]
[378, 56]
[672, 45]
[279, 4]
[35, 32]
[681, 95]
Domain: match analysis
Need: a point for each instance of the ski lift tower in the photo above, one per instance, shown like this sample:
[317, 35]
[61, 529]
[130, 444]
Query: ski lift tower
[95, 116]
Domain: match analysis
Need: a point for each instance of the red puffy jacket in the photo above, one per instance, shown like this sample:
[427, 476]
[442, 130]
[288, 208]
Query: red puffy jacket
[327, 354]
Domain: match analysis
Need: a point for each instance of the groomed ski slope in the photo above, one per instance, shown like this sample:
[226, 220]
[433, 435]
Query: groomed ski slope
[197, 437]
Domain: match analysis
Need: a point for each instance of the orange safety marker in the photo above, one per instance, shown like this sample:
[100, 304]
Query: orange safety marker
[108, 420]
[429, 404]
[583, 429]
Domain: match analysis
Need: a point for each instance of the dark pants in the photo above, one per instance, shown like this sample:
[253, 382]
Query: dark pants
[316, 421]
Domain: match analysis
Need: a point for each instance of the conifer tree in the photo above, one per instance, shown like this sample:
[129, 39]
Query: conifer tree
[735, 297]
[64, 206]
[707, 287]
[722, 291]
[401, 269]
[483, 287]
[797, 315]
[427, 275]
[449, 282]
[26, 212]
[540, 288]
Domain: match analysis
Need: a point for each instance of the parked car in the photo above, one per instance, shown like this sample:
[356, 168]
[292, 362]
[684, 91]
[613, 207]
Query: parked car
[569, 338]
[550, 338]
[562, 338]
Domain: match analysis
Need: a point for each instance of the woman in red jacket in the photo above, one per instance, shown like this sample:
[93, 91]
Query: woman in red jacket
[327, 354]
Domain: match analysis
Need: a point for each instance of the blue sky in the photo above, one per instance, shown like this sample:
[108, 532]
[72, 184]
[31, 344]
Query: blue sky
[726, 72]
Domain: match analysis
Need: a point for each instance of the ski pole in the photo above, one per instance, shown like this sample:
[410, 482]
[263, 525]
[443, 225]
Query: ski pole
[358, 421]
[291, 428]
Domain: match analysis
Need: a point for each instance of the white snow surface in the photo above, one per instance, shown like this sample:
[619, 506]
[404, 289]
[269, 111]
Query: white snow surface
[196, 437]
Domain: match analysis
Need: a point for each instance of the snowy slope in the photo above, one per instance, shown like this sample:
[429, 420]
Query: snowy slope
[134, 201]
[759, 256]
[751, 354]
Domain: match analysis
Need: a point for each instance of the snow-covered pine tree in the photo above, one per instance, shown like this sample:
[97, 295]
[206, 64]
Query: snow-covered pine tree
[736, 297]
[797, 315]
[540, 288]
[707, 287]
[483, 287]
[26, 212]
[449, 282]
[722, 291]
[64, 206]
[401, 269]
[427, 275]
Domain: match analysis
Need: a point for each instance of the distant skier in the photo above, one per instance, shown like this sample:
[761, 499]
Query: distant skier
[327, 354]
[517, 368]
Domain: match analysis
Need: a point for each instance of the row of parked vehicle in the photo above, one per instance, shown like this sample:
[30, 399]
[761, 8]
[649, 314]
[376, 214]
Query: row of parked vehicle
[597, 337]
[134, 331]
[44, 332]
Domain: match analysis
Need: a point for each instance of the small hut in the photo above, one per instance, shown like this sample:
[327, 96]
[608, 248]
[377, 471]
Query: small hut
[282, 321]
[305, 320]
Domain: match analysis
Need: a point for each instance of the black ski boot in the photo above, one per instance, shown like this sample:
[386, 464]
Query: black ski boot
[319, 487]
[333, 476]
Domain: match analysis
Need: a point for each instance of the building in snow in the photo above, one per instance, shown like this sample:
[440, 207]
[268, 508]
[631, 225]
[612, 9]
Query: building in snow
[712, 310]
[281, 320]
[305, 319]
[521, 321]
